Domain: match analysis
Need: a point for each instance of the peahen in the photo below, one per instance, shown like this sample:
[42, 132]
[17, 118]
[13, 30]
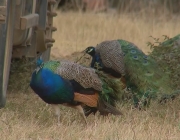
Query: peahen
[144, 78]
[70, 84]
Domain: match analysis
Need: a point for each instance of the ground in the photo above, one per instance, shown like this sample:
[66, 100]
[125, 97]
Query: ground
[26, 116]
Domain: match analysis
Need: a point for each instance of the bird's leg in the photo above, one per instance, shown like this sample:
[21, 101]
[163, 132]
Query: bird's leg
[81, 111]
[57, 113]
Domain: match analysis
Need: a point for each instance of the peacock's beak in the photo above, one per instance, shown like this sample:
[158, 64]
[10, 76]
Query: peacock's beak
[84, 51]
[81, 56]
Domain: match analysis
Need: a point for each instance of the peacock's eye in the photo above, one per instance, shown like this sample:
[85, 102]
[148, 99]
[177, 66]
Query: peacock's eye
[148, 73]
[90, 50]
[133, 51]
[145, 57]
[145, 62]
[130, 47]
[135, 57]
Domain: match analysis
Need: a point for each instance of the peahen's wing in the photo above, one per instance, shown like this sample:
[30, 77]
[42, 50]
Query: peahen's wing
[86, 77]
[111, 55]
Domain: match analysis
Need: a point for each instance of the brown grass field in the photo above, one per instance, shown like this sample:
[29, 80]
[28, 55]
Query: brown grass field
[27, 117]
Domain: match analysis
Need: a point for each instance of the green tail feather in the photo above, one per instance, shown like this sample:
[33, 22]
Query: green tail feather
[110, 94]
[144, 76]
[170, 41]
[112, 90]
[167, 56]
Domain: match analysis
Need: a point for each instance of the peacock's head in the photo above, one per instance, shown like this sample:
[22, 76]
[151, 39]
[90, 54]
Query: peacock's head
[39, 62]
[90, 50]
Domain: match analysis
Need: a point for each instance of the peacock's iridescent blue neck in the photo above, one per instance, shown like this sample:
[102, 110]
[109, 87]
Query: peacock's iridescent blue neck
[51, 87]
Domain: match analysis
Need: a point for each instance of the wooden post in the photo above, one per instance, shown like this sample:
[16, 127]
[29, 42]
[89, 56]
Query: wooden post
[6, 39]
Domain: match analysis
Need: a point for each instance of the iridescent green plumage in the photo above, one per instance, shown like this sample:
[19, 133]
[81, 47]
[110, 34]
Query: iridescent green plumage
[52, 65]
[112, 88]
[144, 76]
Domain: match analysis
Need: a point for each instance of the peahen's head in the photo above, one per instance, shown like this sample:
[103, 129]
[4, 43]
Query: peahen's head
[39, 62]
[90, 50]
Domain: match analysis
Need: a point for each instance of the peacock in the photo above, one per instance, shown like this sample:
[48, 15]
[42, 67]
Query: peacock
[73, 85]
[143, 77]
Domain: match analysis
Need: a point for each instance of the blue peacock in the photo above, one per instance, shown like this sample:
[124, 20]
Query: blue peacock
[73, 85]
[141, 74]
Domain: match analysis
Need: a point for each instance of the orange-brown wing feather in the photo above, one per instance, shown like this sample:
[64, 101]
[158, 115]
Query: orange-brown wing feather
[89, 100]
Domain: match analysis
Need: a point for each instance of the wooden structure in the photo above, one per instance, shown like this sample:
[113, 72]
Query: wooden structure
[26, 28]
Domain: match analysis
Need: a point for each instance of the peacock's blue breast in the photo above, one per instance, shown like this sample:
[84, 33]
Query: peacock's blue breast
[51, 87]
[96, 60]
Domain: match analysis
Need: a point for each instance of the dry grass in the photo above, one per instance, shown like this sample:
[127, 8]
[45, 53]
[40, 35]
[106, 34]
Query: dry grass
[26, 116]
[77, 31]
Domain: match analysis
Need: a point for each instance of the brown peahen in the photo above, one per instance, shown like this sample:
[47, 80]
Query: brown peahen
[143, 76]
[70, 84]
